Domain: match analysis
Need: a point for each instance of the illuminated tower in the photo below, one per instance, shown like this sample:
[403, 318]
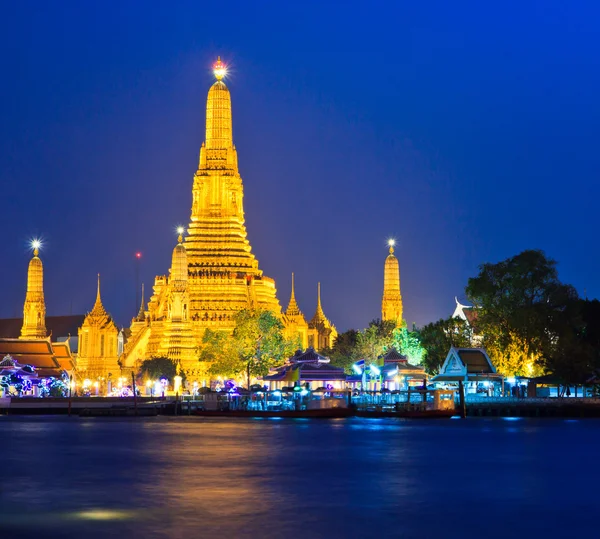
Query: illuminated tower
[391, 303]
[223, 276]
[34, 309]
[177, 340]
[98, 335]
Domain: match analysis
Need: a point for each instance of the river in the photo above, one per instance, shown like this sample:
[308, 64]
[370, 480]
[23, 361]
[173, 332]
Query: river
[192, 477]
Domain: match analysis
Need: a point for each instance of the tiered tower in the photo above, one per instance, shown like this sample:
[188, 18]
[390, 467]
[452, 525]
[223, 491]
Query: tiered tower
[34, 308]
[223, 276]
[391, 303]
[97, 356]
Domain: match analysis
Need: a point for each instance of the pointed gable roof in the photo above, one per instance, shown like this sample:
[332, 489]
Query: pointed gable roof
[319, 319]
[98, 317]
[466, 363]
[293, 312]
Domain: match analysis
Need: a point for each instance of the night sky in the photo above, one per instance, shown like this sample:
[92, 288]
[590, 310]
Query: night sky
[468, 131]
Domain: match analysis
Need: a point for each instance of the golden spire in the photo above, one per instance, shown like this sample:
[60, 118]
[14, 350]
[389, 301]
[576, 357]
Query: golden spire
[218, 112]
[34, 308]
[141, 313]
[319, 315]
[391, 302]
[292, 309]
[98, 309]
[98, 300]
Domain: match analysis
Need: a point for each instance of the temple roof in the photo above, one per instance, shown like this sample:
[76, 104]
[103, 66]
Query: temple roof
[319, 318]
[393, 356]
[98, 315]
[306, 366]
[293, 311]
[37, 353]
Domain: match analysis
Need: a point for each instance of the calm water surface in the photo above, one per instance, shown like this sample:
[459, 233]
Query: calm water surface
[191, 477]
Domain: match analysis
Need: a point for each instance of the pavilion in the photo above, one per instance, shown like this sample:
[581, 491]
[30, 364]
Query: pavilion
[473, 367]
[307, 367]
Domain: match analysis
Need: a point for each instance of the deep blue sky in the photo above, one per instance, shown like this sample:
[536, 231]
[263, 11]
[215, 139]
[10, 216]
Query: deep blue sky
[468, 131]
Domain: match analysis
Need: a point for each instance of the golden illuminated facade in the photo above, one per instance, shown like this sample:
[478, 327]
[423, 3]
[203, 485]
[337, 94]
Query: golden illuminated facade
[213, 272]
[321, 332]
[97, 357]
[295, 323]
[391, 303]
[34, 308]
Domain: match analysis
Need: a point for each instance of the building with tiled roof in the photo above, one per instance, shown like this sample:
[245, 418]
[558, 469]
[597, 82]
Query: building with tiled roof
[467, 365]
[307, 367]
[321, 332]
[98, 356]
[40, 354]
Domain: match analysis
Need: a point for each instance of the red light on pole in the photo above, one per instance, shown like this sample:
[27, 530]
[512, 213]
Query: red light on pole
[138, 255]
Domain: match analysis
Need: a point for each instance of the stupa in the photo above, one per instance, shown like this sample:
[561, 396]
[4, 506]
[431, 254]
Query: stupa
[391, 302]
[213, 273]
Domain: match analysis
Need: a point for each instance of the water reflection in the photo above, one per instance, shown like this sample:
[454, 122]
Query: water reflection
[191, 477]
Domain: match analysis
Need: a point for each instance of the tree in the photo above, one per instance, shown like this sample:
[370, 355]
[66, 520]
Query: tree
[575, 356]
[344, 351]
[159, 367]
[521, 304]
[408, 343]
[438, 337]
[256, 344]
[374, 340]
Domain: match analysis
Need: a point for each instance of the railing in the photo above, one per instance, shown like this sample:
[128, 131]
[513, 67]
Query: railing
[480, 399]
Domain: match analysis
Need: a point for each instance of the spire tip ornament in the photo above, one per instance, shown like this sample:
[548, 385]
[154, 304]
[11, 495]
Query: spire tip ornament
[35, 245]
[219, 69]
[391, 242]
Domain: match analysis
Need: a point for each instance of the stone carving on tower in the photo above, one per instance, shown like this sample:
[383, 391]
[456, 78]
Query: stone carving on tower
[97, 357]
[391, 303]
[34, 308]
[223, 276]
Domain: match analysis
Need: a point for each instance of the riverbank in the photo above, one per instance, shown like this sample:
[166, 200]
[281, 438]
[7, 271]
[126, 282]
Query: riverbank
[145, 406]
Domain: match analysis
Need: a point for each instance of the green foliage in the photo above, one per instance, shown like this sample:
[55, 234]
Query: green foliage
[159, 367]
[521, 304]
[256, 345]
[344, 351]
[438, 337]
[408, 343]
[374, 340]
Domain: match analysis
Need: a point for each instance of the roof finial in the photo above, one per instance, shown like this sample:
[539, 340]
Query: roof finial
[219, 69]
[35, 245]
[98, 293]
[293, 294]
[141, 316]
[180, 231]
[318, 295]
[391, 243]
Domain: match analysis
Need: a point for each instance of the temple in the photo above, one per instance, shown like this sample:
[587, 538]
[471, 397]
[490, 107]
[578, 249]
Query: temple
[391, 303]
[319, 333]
[97, 358]
[213, 273]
